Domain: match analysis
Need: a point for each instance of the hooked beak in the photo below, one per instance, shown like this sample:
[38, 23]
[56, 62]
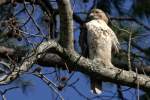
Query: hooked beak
[91, 14]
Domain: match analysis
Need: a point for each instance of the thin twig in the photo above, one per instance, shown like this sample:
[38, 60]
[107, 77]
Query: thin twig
[2, 93]
[28, 19]
[138, 95]
[129, 50]
[49, 83]
[38, 28]
[81, 94]
[120, 94]
[131, 19]
[129, 44]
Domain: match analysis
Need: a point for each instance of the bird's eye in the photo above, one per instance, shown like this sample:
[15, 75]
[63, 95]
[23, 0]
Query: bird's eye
[96, 11]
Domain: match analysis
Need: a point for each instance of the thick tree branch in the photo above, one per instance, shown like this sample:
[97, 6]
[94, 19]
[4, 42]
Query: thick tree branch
[113, 75]
[57, 60]
[6, 51]
[78, 63]
[66, 24]
[47, 60]
[89, 67]
[4, 2]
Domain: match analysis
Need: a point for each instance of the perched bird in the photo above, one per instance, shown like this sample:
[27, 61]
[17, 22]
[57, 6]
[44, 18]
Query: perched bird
[100, 39]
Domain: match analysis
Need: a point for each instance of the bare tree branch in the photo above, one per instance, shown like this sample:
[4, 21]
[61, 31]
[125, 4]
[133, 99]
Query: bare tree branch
[4, 50]
[116, 75]
[131, 19]
[4, 2]
[86, 66]
[66, 24]
[48, 83]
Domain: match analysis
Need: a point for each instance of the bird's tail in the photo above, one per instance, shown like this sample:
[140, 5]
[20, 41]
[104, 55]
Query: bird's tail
[96, 86]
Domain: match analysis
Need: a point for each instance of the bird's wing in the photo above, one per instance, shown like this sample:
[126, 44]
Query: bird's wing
[115, 42]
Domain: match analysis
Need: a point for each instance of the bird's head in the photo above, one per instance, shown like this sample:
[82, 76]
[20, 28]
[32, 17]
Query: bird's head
[98, 14]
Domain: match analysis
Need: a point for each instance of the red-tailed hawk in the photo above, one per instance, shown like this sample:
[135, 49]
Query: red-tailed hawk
[100, 39]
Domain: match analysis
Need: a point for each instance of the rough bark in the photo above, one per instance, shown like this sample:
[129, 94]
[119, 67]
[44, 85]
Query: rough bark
[66, 26]
[85, 66]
